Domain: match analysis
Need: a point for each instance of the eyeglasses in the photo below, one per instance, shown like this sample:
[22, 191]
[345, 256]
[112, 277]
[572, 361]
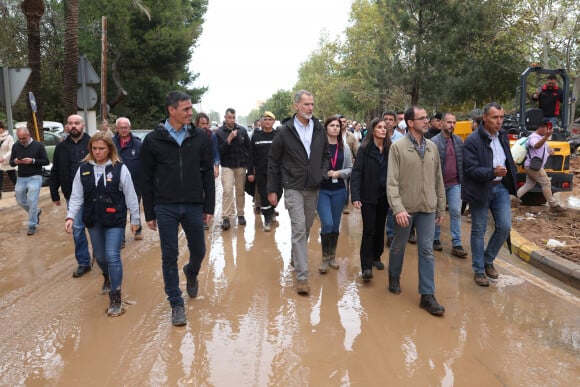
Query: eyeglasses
[421, 119]
[23, 138]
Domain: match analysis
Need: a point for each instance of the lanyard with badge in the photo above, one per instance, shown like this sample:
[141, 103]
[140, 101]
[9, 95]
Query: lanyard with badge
[333, 163]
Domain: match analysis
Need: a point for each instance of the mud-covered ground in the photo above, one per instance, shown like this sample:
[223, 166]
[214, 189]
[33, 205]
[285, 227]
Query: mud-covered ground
[539, 225]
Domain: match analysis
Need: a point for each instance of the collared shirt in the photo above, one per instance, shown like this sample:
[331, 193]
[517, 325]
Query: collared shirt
[419, 147]
[498, 153]
[305, 133]
[179, 136]
[396, 135]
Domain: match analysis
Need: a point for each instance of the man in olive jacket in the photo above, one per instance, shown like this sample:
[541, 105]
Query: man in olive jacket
[300, 156]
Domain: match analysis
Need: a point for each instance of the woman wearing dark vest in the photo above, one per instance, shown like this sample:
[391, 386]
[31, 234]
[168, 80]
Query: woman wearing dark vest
[103, 185]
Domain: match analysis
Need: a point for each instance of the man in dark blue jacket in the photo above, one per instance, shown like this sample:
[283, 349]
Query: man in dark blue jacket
[299, 158]
[65, 162]
[178, 189]
[129, 148]
[489, 177]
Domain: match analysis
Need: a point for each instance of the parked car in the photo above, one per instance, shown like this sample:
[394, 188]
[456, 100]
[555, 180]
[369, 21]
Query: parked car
[47, 126]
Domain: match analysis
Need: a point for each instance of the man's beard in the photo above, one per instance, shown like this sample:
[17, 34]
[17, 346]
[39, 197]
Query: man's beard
[75, 133]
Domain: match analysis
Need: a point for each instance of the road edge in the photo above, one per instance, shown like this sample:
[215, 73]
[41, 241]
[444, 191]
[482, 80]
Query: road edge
[550, 263]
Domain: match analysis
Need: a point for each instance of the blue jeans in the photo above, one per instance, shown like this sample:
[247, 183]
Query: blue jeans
[500, 206]
[106, 243]
[390, 223]
[169, 217]
[80, 240]
[425, 227]
[453, 194]
[329, 208]
[301, 206]
[27, 191]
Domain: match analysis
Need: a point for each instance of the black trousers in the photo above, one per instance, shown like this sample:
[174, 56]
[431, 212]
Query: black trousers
[372, 244]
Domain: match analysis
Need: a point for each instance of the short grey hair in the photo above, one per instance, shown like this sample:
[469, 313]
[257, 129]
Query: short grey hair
[299, 94]
[122, 118]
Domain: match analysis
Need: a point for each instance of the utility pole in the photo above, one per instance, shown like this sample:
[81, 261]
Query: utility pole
[104, 44]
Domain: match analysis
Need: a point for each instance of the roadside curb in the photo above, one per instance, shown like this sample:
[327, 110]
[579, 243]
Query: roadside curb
[566, 271]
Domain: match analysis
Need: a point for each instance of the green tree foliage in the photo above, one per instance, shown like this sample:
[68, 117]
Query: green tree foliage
[280, 103]
[148, 56]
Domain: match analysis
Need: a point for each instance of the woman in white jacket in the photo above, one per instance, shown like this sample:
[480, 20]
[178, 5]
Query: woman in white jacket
[103, 188]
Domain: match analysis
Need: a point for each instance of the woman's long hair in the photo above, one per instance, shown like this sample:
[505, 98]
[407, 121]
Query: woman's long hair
[370, 138]
[107, 139]
[339, 138]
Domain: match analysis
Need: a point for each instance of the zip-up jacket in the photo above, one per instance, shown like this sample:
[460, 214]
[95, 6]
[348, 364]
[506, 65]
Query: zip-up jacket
[236, 153]
[65, 162]
[288, 159]
[131, 156]
[478, 168]
[177, 174]
[259, 149]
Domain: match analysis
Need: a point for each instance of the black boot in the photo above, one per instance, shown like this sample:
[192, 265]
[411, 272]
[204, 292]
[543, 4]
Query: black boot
[106, 285]
[332, 250]
[115, 305]
[324, 243]
[429, 303]
[394, 285]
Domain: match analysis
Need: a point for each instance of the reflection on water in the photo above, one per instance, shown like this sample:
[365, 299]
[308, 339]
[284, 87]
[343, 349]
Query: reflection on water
[351, 312]
[410, 354]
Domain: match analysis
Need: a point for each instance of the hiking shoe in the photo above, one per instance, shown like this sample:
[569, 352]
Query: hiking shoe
[490, 271]
[323, 268]
[138, 235]
[192, 284]
[332, 263]
[267, 226]
[226, 224]
[81, 270]
[437, 246]
[367, 274]
[31, 230]
[557, 209]
[481, 279]
[178, 315]
[379, 265]
[241, 220]
[394, 285]
[115, 304]
[302, 287]
[412, 238]
[430, 304]
[106, 288]
[458, 251]
[123, 244]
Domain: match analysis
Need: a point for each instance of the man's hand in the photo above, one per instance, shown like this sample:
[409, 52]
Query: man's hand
[500, 171]
[56, 203]
[207, 218]
[216, 171]
[402, 218]
[273, 198]
[152, 224]
[251, 178]
[357, 205]
[439, 220]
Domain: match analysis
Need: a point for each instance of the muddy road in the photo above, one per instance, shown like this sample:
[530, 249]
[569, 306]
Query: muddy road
[248, 327]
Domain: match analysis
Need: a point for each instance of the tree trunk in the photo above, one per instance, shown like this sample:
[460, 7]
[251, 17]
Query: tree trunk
[33, 10]
[71, 56]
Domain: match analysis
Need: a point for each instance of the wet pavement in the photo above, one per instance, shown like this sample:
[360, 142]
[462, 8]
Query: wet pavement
[248, 327]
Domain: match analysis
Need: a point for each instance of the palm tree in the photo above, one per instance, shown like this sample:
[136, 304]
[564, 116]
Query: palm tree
[71, 56]
[33, 10]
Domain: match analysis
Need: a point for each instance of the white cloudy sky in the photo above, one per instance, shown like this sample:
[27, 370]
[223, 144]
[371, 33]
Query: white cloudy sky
[250, 49]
